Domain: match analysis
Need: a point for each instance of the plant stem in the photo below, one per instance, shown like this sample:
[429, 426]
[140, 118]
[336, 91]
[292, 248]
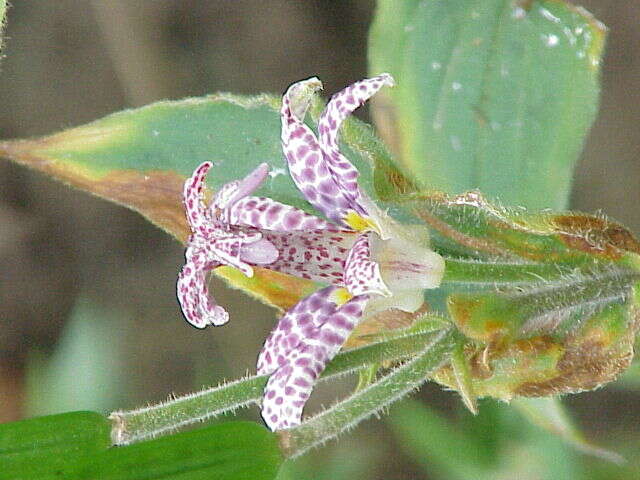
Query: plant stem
[148, 422]
[370, 400]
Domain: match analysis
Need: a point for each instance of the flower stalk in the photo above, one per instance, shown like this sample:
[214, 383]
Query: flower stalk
[148, 422]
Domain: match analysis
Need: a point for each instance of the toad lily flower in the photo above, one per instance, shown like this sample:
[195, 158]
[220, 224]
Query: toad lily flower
[368, 262]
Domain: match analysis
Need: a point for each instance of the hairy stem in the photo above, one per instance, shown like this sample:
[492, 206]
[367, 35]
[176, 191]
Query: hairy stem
[135, 425]
[370, 400]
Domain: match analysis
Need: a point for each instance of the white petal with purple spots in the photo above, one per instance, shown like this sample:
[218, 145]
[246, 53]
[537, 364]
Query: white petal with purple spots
[361, 274]
[213, 243]
[325, 177]
[341, 105]
[198, 307]
[307, 337]
[307, 165]
[264, 213]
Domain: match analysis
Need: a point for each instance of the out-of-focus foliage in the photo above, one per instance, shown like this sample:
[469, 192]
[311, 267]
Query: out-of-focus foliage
[492, 94]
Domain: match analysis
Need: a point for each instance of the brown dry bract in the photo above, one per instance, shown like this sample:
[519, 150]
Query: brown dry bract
[586, 364]
[588, 360]
[595, 235]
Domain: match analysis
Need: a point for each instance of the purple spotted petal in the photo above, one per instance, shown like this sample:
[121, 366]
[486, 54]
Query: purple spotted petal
[213, 243]
[317, 255]
[308, 247]
[299, 322]
[197, 215]
[361, 274]
[264, 213]
[197, 306]
[205, 253]
[341, 105]
[307, 337]
[325, 177]
[307, 166]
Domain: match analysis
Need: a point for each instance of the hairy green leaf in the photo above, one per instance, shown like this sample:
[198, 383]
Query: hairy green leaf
[468, 226]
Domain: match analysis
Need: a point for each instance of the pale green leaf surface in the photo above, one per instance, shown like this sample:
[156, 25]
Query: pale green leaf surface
[491, 94]
[77, 446]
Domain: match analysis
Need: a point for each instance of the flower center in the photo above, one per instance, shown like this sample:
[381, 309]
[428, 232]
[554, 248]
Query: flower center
[407, 266]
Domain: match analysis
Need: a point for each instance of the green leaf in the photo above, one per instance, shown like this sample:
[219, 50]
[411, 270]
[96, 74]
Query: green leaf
[467, 225]
[140, 158]
[491, 94]
[32, 448]
[228, 451]
[76, 446]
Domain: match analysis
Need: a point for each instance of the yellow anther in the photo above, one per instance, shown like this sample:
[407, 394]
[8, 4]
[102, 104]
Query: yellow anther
[360, 223]
[340, 296]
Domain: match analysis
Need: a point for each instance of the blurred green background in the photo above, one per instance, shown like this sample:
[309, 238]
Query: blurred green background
[90, 319]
